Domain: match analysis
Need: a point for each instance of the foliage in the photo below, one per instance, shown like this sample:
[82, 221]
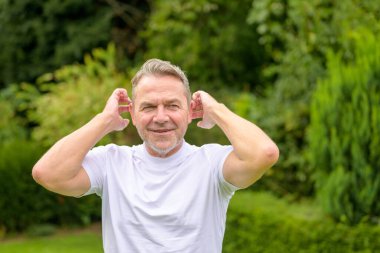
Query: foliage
[15, 102]
[209, 39]
[42, 35]
[258, 222]
[23, 203]
[345, 134]
[297, 35]
[9, 126]
[76, 93]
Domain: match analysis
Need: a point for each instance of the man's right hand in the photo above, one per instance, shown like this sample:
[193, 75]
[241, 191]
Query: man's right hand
[117, 103]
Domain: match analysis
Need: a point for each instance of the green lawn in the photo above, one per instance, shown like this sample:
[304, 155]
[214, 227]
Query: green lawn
[83, 242]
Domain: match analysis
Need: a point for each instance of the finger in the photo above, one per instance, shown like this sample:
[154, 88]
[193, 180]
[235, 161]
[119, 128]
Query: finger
[197, 114]
[126, 100]
[124, 108]
[196, 95]
[192, 104]
[119, 92]
[121, 95]
[197, 103]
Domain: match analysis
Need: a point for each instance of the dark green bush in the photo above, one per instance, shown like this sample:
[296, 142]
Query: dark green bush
[23, 203]
[41, 230]
[258, 222]
[43, 35]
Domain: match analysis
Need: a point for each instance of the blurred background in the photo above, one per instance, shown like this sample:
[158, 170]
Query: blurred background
[307, 72]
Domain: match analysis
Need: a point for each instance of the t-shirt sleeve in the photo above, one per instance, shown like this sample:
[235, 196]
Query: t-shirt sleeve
[219, 156]
[95, 165]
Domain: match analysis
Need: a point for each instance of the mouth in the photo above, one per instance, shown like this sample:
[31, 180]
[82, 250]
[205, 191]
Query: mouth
[161, 131]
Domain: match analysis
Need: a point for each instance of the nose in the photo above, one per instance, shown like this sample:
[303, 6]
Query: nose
[161, 115]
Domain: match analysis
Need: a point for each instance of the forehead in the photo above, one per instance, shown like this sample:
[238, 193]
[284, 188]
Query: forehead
[151, 88]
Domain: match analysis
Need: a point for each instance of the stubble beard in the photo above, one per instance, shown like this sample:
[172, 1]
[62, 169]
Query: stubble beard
[162, 152]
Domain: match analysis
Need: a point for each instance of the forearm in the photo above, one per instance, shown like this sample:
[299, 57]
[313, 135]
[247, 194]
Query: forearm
[64, 159]
[251, 145]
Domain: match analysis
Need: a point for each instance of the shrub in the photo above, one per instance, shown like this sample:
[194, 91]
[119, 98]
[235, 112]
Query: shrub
[298, 34]
[75, 94]
[345, 136]
[25, 204]
[259, 222]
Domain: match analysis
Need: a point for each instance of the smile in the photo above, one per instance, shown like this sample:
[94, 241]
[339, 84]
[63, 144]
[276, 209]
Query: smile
[161, 131]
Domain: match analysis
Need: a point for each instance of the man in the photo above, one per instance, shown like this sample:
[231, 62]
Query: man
[164, 195]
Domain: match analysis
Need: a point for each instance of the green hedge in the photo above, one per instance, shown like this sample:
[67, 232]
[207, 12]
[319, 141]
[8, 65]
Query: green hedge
[258, 222]
[24, 203]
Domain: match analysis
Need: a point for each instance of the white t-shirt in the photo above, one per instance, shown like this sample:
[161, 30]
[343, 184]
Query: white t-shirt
[151, 204]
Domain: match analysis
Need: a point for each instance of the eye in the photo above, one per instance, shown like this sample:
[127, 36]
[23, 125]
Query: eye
[148, 108]
[173, 106]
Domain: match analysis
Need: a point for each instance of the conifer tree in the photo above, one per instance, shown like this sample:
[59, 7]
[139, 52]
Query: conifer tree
[344, 134]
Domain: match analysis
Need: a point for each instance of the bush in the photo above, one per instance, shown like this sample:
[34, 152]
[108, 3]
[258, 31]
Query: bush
[75, 94]
[258, 222]
[25, 204]
[298, 34]
[344, 133]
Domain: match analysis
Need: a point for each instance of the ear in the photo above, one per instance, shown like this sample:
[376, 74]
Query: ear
[132, 112]
[191, 109]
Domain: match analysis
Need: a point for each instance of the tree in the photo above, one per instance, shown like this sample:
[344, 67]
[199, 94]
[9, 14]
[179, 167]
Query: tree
[210, 40]
[345, 135]
[41, 36]
[297, 36]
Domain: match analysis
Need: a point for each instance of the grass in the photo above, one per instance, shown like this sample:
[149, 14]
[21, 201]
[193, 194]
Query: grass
[85, 241]
[256, 222]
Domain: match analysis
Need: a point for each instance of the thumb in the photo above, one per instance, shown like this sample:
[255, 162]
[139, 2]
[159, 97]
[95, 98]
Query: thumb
[124, 124]
[205, 124]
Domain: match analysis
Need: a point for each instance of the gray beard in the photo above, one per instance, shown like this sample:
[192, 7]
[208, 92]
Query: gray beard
[161, 152]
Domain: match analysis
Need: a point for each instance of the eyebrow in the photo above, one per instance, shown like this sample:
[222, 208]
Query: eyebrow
[144, 104]
[169, 101]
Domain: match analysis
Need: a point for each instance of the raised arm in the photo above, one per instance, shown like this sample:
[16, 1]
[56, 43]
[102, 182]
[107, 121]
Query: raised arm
[60, 168]
[253, 151]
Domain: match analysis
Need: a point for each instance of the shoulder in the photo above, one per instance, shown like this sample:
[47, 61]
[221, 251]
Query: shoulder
[107, 148]
[212, 150]
[112, 149]
[215, 148]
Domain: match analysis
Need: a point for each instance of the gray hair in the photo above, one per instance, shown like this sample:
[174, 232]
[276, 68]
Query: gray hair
[157, 67]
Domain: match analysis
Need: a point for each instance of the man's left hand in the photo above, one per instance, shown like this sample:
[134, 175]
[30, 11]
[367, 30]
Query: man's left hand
[202, 106]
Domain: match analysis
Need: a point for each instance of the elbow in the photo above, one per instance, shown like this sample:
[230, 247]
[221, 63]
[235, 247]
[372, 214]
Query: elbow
[39, 174]
[271, 154]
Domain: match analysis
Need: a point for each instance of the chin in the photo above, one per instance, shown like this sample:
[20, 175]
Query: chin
[162, 150]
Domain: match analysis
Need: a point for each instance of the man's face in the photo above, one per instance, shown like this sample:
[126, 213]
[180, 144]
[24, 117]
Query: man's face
[161, 114]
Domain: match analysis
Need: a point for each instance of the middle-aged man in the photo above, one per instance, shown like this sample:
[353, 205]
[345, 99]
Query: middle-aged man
[164, 195]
